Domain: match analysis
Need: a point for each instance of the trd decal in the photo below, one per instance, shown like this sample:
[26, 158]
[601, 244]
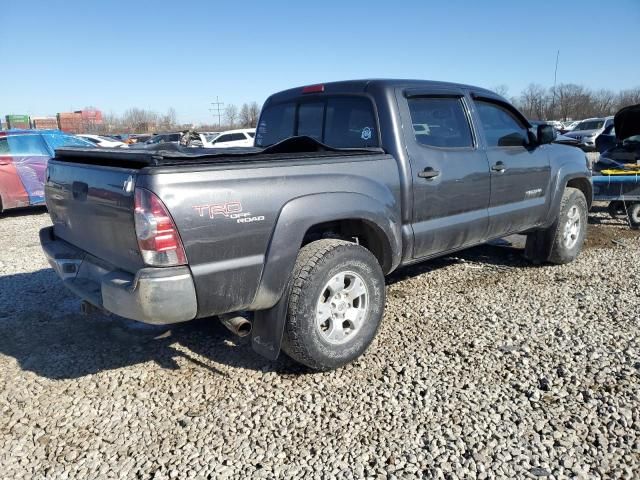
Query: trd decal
[230, 210]
[224, 209]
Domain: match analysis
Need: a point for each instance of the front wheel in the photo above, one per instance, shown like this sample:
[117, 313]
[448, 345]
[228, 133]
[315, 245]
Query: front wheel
[335, 305]
[561, 242]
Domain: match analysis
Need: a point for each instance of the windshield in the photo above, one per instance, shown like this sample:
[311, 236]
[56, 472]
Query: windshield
[340, 122]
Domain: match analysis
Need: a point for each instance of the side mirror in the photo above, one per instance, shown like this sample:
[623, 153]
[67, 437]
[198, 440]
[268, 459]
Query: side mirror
[546, 134]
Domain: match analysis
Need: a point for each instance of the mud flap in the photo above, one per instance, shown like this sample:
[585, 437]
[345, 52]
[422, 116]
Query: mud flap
[538, 247]
[268, 328]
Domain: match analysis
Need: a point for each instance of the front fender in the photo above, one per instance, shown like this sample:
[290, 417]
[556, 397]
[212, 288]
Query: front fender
[570, 165]
[302, 213]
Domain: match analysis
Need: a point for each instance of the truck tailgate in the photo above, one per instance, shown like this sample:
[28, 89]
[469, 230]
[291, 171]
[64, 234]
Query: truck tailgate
[92, 207]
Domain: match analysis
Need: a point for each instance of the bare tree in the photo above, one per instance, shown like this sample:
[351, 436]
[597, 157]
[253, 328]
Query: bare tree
[628, 97]
[231, 115]
[604, 102]
[254, 114]
[533, 101]
[502, 90]
[168, 120]
[245, 120]
[137, 120]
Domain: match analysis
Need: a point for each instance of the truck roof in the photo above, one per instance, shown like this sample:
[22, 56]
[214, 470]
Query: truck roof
[365, 85]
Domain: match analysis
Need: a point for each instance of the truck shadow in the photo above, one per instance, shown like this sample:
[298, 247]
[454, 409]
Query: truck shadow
[42, 329]
[498, 255]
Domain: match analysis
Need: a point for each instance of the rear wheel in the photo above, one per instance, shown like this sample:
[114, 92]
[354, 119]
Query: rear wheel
[335, 305]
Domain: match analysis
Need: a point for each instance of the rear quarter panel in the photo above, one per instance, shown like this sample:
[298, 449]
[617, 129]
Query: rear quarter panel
[226, 214]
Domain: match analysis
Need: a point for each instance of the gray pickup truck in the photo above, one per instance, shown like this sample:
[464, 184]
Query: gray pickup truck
[291, 240]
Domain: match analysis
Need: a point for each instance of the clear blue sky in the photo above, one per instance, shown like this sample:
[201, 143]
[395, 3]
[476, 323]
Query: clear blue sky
[59, 55]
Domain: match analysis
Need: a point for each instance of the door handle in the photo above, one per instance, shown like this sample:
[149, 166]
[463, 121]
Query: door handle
[429, 173]
[499, 167]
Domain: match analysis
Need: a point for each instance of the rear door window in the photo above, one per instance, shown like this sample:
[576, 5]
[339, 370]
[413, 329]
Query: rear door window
[440, 122]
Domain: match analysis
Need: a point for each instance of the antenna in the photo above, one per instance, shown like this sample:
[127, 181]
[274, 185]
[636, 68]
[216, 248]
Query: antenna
[215, 107]
[555, 79]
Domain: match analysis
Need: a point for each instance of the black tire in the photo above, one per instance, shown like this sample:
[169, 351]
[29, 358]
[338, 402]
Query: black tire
[317, 264]
[633, 211]
[615, 209]
[551, 245]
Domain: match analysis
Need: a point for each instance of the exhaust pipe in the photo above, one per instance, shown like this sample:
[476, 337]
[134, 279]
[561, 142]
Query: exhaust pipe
[236, 324]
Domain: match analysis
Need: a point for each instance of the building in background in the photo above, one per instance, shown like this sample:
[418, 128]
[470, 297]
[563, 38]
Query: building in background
[18, 121]
[70, 122]
[44, 123]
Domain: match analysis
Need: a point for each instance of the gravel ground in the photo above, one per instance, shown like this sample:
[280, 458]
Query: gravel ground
[485, 367]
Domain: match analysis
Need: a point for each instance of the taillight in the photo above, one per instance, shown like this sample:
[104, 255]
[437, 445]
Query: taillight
[158, 236]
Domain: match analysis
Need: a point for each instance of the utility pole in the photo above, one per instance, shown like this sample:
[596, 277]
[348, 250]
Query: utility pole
[555, 79]
[215, 109]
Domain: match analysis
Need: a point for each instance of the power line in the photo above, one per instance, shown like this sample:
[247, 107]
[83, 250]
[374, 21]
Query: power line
[215, 107]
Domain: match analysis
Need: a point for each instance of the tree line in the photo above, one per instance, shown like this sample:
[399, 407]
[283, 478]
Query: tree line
[141, 120]
[569, 101]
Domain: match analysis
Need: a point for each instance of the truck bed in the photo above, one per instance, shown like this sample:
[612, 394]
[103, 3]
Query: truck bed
[173, 155]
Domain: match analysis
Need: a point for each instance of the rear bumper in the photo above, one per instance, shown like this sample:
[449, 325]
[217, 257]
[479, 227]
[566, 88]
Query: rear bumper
[153, 295]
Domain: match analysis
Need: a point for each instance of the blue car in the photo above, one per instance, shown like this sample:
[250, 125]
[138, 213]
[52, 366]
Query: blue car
[24, 155]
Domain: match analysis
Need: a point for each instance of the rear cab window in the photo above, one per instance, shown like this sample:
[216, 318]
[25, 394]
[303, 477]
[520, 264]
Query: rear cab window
[345, 121]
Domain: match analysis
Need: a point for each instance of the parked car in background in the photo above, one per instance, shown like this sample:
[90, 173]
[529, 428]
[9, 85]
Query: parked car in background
[606, 139]
[234, 138]
[555, 124]
[157, 139]
[24, 155]
[101, 141]
[587, 131]
[558, 138]
[569, 125]
[138, 138]
[209, 137]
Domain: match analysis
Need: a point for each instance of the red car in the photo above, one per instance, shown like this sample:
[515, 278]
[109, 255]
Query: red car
[23, 160]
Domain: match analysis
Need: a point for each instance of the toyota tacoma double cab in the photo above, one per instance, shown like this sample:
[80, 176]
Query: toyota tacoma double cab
[290, 240]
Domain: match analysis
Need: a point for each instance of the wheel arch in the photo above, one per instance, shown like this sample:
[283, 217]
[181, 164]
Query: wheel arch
[350, 216]
[584, 185]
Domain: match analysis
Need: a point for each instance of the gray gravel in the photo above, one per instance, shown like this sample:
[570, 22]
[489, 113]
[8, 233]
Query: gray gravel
[485, 367]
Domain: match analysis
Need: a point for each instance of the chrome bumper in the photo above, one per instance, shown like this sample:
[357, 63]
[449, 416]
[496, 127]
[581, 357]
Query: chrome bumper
[153, 295]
